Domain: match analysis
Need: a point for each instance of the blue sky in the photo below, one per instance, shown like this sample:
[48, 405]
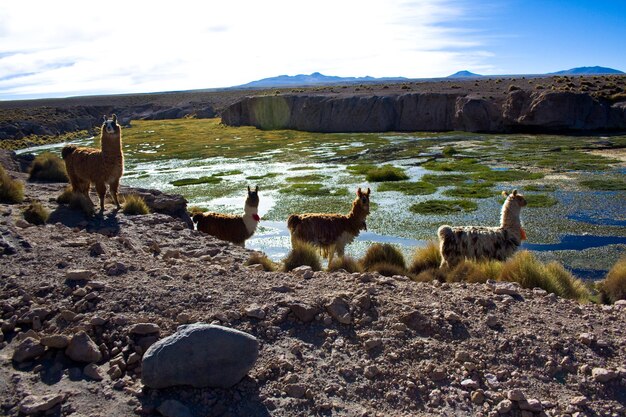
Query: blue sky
[73, 47]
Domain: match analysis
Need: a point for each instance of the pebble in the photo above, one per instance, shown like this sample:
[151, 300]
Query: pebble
[531, 404]
[339, 309]
[469, 384]
[97, 249]
[507, 288]
[304, 272]
[255, 311]
[28, 349]
[303, 311]
[34, 404]
[143, 329]
[491, 320]
[371, 371]
[503, 407]
[94, 372]
[603, 375]
[579, 401]
[295, 390]
[82, 349]
[79, 275]
[516, 395]
[56, 341]
[451, 316]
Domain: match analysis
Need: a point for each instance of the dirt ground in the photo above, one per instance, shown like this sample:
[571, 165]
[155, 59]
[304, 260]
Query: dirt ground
[330, 343]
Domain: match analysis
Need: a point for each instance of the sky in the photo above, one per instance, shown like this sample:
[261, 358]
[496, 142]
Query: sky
[73, 48]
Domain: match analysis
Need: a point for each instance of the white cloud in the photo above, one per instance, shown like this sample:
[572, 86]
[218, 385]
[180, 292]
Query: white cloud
[70, 48]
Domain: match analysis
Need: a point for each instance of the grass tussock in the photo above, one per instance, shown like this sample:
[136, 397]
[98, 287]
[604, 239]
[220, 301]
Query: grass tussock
[262, 259]
[526, 270]
[387, 269]
[386, 173]
[302, 254]
[47, 167]
[346, 263]
[65, 196]
[443, 207]
[36, 213]
[613, 287]
[408, 188]
[475, 272]
[11, 191]
[134, 205]
[382, 253]
[425, 258]
[81, 202]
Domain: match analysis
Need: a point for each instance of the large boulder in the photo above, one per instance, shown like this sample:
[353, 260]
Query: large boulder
[200, 355]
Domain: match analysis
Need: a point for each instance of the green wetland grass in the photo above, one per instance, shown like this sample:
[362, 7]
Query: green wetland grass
[415, 186]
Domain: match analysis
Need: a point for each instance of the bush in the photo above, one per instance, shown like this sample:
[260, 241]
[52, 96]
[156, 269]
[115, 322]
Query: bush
[408, 188]
[11, 191]
[346, 263]
[134, 205]
[36, 213]
[302, 254]
[65, 196]
[426, 258]
[382, 253]
[386, 173]
[475, 272]
[387, 269]
[81, 202]
[47, 167]
[262, 259]
[613, 287]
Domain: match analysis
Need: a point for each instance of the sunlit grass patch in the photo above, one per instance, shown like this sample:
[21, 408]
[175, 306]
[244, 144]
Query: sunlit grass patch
[260, 177]
[471, 191]
[194, 181]
[460, 165]
[613, 287]
[134, 205]
[443, 207]
[444, 180]
[302, 254]
[604, 184]
[303, 168]
[346, 263]
[196, 209]
[262, 259]
[376, 173]
[313, 190]
[308, 178]
[36, 213]
[540, 200]
[228, 173]
[425, 258]
[383, 254]
[506, 175]
[11, 191]
[540, 187]
[409, 188]
[47, 167]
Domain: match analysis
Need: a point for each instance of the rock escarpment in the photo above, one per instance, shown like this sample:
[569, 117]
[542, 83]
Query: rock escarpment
[520, 111]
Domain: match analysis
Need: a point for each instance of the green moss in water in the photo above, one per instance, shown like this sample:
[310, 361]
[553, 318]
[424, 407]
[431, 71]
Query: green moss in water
[443, 207]
[460, 165]
[445, 180]
[193, 181]
[540, 187]
[228, 173]
[260, 177]
[313, 190]
[540, 200]
[386, 173]
[506, 175]
[471, 191]
[307, 178]
[408, 188]
[604, 184]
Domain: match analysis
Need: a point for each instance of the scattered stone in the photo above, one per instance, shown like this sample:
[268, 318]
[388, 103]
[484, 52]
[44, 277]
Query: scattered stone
[620, 304]
[579, 401]
[115, 372]
[82, 349]
[143, 329]
[97, 249]
[503, 407]
[531, 404]
[491, 320]
[603, 375]
[586, 338]
[22, 224]
[295, 390]
[469, 384]
[173, 408]
[339, 309]
[255, 311]
[516, 395]
[451, 316]
[507, 288]
[371, 371]
[172, 254]
[56, 341]
[200, 355]
[79, 275]
[304, 271]
[304, 312]
[28, 349]
[116, 268]
[438, 374]
[478, 397]
[34, 404]
[94, 372]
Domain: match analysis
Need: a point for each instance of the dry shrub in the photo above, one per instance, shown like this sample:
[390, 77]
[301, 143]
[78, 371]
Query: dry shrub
[387, 269]
[346, 263]
[134, 205]
[65, 196]
[432, 274]
[48, 167]
[383, 254]
[302, 254]
[36, 213]
[11, 191]
[262, 259]
[81, 202]
[613, 287]
[425, 258]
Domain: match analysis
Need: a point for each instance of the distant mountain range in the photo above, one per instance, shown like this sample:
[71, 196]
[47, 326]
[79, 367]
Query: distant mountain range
[304, 80]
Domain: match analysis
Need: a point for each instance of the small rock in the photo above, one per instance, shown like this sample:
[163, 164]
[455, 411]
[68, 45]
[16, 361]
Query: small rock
[451, 316]
[28, 349]
[531, 404]
[173, 408]
[304, 312]
[97, 249]
[35, 404]
[579, 401]
[256, 267]
[82, 349]
[491, 320]
[115, 372]
[295, 390]
[438, 374]
[22, 224]
[516, 395]
[373, 343]
[97, 320]
[469, 384]
[462, 356]
[304, 271]
[586, 338]
[620, 304]
[478, 397]
[603, 375]
[94, 372]
[507, 288]
[371, 371]
[79, 275]
[255, 311]
[143, 329]
[56, 341]
[503, 407]
[116, 268]
[339, 309]
[183, 318]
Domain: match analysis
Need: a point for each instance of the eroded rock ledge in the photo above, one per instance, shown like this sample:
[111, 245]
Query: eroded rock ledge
[520, 111]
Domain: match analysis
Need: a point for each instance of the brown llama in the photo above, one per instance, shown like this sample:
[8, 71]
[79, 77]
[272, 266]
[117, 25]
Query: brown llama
[331, 232]
[479, 242]
[229, 227]
[99, 166]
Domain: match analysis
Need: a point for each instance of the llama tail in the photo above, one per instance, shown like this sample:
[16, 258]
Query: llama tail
[68, 150]
[444, 232]
[293, 221]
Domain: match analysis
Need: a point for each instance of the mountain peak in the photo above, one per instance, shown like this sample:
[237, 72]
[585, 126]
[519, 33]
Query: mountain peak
[464, 74]
[587, 70]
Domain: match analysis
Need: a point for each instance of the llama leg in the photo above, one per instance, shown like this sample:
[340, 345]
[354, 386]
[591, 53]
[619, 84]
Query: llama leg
[113, 189]
[101, 189]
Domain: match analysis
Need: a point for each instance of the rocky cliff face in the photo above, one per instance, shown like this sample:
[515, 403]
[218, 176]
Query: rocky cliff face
[520, 111]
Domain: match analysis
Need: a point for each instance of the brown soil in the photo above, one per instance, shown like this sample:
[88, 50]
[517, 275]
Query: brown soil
[406, 348]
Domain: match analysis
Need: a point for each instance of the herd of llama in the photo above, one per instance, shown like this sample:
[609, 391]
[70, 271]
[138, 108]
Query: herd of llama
[328, 232]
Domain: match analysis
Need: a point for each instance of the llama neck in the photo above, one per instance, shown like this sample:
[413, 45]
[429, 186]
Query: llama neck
[111, 146]
[357, 216]
[510, 218]
[250, 218]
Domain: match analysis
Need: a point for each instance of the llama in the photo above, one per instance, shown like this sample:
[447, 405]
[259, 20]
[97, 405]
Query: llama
[331, 232]
[229, 227]
[99, 166]
[477, 242]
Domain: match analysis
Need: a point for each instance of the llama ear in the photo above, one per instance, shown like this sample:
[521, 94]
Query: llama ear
[514, 193]
[358, 191]
[368, 191]
[256, 189]
[104, 118]
[114, 118]
[248, 188]
[505, 194]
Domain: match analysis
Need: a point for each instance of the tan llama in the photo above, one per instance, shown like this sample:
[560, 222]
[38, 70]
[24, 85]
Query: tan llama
[99, 166]
[229, 227]
[331, 232]
[479, 242]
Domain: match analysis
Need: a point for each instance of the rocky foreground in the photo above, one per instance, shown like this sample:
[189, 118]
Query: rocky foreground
[83, 299]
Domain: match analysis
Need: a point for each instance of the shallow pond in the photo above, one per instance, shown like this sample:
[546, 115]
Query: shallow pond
[313, 172]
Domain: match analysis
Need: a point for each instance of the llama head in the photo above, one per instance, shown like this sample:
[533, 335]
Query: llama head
[514, 198]
[362, 200]
[110, 126]
[253, 197]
